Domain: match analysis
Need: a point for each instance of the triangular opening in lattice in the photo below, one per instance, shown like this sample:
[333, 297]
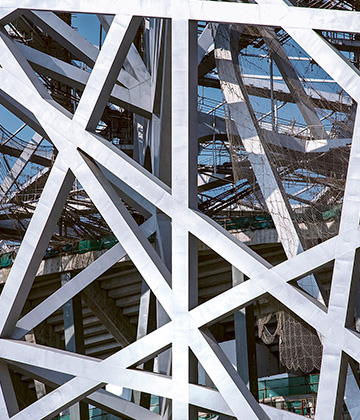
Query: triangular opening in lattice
[317, 283]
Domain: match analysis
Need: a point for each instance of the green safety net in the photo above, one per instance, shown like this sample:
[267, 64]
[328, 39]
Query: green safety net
[6, 259]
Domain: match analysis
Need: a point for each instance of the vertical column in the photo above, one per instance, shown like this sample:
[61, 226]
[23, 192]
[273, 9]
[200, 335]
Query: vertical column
[184, 189]
[344, 282]
[273, 101]
[74, 341]
[146, 324]
[242, 362]
[161, 147]
[330, 397]
[159, 139]
[163, 246]
[245, 344]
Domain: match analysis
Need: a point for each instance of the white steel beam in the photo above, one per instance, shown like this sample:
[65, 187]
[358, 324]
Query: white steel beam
[133, 63]
[242, 114]
[254, 143]
[134, 96]
[225, 378]
[105, 400]
[77, 388]
[34, 244]
[71, 289]
[100, 84]
[252, 14]
[88, 53]
[184, 188]
[81, 151]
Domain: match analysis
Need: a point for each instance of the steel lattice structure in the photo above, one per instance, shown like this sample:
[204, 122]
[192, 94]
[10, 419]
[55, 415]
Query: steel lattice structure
[95, 162]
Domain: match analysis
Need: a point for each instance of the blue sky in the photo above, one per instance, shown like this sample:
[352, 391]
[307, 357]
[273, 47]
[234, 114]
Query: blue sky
[89, 27]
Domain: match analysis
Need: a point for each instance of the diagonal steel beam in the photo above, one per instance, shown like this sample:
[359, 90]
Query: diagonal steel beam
[100, 83]
[77, 284]
[34, 244]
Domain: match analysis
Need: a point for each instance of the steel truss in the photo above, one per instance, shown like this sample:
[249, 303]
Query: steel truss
[167, 198]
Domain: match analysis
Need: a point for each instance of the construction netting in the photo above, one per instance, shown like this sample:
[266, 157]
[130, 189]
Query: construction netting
[299, 346]
[294, 169]
[309, 162]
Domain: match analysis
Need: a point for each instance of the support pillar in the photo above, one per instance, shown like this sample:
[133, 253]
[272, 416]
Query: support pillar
[163, 244]
[74, 341]
[245, 345]
[146, 324]
[184, 188]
